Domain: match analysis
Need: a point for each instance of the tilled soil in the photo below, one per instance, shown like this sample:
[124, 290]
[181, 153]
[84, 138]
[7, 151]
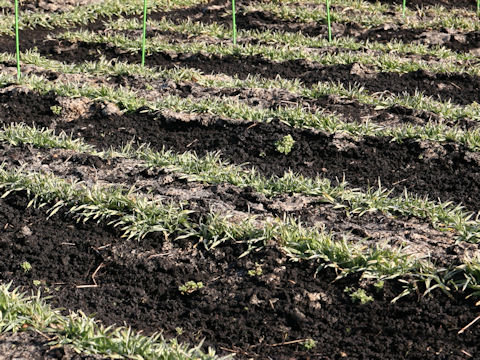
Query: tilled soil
[415, 236]
[458, 88]
[251, 316]
[30, 345]
[456, 41]
[271, 313]
[217, 12]
[449, 4]
[47, 5]
[448, 172]
[348, 110]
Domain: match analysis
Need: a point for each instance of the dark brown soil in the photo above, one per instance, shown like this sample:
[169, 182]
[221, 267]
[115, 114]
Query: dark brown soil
[458, 88]
[449, 4]
[57, 6]
[216, 12]
[248, 315]
[423, 169]
[459, 42]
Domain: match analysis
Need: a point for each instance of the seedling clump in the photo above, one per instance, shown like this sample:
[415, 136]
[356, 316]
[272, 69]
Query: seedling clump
[358, 295]
[309, 344]
[26, 266]
[190, 287]
[257, 271]
[285, 144]
[379, 285]
[57, 110]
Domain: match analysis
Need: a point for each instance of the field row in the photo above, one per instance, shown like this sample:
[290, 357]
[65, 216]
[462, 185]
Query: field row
[283, 197]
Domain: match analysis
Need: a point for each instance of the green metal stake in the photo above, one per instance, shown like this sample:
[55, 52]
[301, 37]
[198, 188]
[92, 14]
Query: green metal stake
[405, 5]
[329, 23]
[234, 23]
[144, 30]
[17, 41]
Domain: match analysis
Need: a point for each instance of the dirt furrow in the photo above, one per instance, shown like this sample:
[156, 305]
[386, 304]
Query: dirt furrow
[347, 110]
[446, 172]
[458, 88]
[451, 39]
[50, 6]
[217, 12]
[256, 304]
[138, 283]
[449, 4]
[35, 346]
[416, 236]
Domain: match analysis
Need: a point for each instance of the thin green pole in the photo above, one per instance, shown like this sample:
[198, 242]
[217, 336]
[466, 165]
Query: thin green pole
[234, 23]
[478, 7]
[17, 41]
[144, 35]
[329, 23]
[405, 5]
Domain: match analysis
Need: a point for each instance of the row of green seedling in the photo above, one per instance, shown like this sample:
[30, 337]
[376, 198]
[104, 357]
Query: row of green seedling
[234, 28]
[144, 31]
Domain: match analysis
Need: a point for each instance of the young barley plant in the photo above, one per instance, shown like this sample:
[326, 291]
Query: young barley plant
[190, 287]
[285, 144]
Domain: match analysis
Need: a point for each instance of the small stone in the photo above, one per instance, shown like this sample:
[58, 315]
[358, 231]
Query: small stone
[389, 27]
[358, 69]
[111, 109]
[254, 300]
[461, 38]
[26, 231]
[434, 37]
